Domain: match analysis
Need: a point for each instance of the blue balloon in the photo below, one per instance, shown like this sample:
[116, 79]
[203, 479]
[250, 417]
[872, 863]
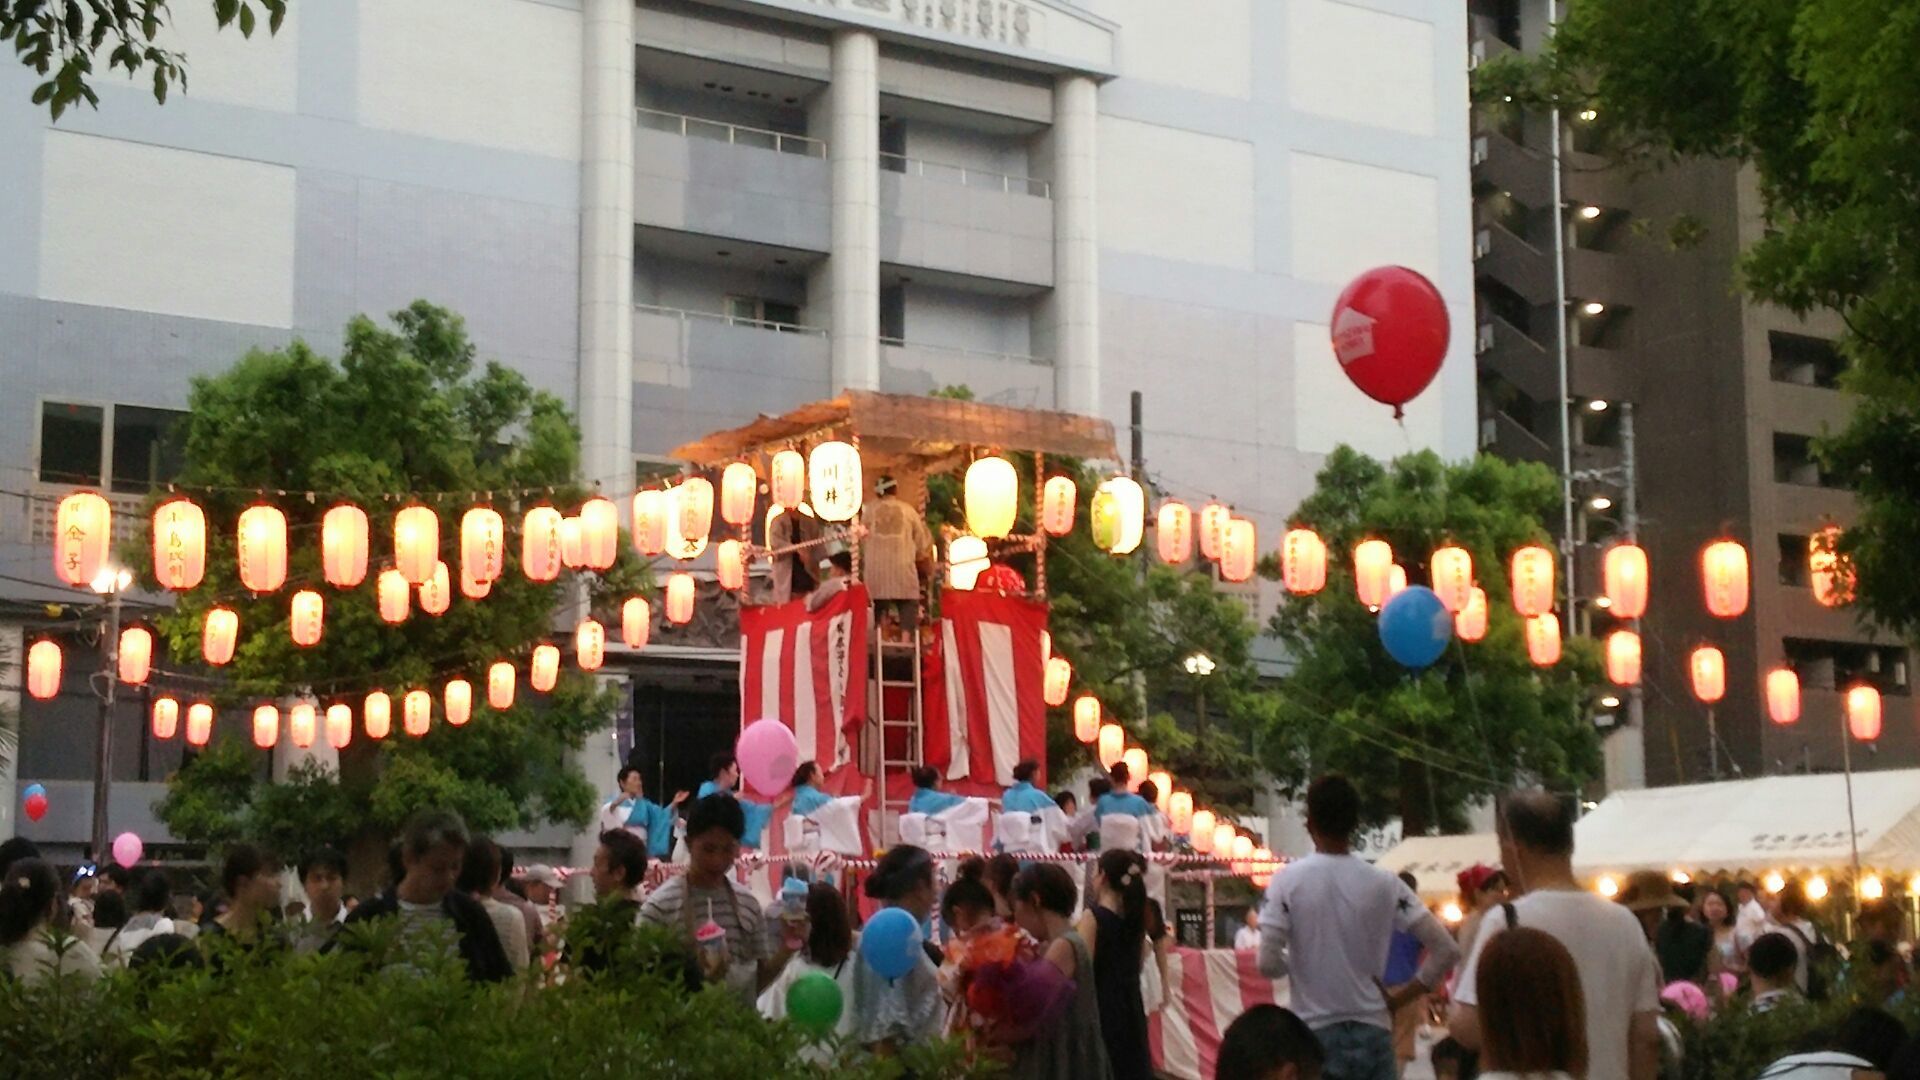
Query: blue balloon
[890, 943]
[31, 790]
[1415, 627]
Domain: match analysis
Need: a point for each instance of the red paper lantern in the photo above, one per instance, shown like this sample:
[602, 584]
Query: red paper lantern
[1303, 562]
[471, 589]
[339, 726]
[262, 548]
[680, 598]
[166, 717]
[540, 555]
[1533, 580]
[1471, 623]
[1057, 503]
[650, 510]
[1057, 681]
[1451, 568]
[636, 622]
[458, 701]
[43, 670]
[730, 564]
[590, 645]
[306, 619]
[739, 489]
[483, 546]
[219, 632]
[691, 521]
[266, 726]
[1863, 713]
[179, 544]
[1112, 744]
[1543, 640]
[1213, 529]
[377, 715]
[416, 712]
[82, 533]
[1625, 574]
[1240, 547]
[1708, 667]
[1832, 580]
[416, 543]
[1783, 695]
[1086, 718]
[1623, 658]
[1200, 828]
[395, 596]
[1173, 532]
[1723, 575]
[1180, 812]
[436, 595]
[1373, 572]
[787, 479]
[500, 680]
[599, 533]
[136, 654]
[302, 722]
[573, 549]
[544, 671]
[199, 723]
[1389, 330]
[343, 546]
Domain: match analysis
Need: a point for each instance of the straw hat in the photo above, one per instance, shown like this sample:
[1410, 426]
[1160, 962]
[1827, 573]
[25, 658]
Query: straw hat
[1646, 890]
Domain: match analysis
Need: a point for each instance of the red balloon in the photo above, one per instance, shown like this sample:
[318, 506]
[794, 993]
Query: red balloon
[35, 806]
[1390, 332]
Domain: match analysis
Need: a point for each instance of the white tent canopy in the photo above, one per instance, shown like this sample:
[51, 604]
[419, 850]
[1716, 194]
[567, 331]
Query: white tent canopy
[1787, 823]
[1435, 861]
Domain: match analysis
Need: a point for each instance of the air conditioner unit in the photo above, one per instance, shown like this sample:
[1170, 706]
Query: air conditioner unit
[1476, 52]
[1479, 149]
[1489, 432]
[1483, 338]
[1482, 243]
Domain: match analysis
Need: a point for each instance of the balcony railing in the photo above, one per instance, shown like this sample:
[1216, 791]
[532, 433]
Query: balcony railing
[966, 176]
[979, 354]
[730, 320]
[693, 127]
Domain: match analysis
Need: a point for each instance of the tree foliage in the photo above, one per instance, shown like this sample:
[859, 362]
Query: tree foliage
[61, 40]
[404, 411]
[1818, 96]
[1423, 745]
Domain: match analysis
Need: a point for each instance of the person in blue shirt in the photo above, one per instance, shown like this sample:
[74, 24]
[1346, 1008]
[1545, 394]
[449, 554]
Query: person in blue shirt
[1120, 800]
[1023, 797]
[807, 796]
[927, 798]
[725, 773]
[633, 811]
[1403, 963]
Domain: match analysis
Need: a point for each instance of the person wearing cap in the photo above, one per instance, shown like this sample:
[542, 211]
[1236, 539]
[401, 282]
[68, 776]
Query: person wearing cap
[836, 573]
[1482, 888]
[543, 884]
[898, 555]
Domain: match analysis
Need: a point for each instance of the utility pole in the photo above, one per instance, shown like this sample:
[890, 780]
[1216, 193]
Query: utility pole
[1630, 521]
[1560, 335]
[103, 758]
[1138, 461]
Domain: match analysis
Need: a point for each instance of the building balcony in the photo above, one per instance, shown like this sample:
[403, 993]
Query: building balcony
[964, 220]
[729, 180]
[1506, 437]
[696, 372]
[997, 378]
[1808, 410]
[1500, 253]
[1524, 173]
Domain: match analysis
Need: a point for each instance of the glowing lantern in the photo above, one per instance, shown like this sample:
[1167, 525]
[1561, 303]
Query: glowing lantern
[966, 558]
[343, 546]
[1239, 548]
[1086, 718]
[1223, 840]
[1135, 759]
[1471, 623]
[590, 644]
[572, 547]
[1373, 572]
[1111, 745]
[1201, 829]
[1242, 847]
[730, 564]
[1118, 515]
[1213, 529]
[307, 617]
[1533, 580]
[218, 634]
[1180, 811]
[739, 487]
[1817, 885]
[416, 543]
[339, 726]
[1046, 644]
[1173, 532]
[834, 482]
[1057, 501]
[262, 548]
[500, 680]
[1723, 574]
[992, 497]
[416, 712]
[377, 715]
[179, 544]
[395, 596]
[458, 701]
[1607, 885]
[82, 532]
[650, 509]
[1162, 787]
[166, 717]
[540, 554]
[437, 593]
[1543, 640]
[1783, 695]
[471, 589]
[1452, 571]
[1303, 562]
[1872, 888]
[199, 723]
[302, 722]
[690, 518]
[1623, 657]
[680, 599]
[1863, 713]
[1832, 582]
[136, 654]
[43, 670]
[1059, 677]
[1625, 573]
[483, 546]
[787, 479]
[1709, 668]
[1773, 882]
[636, 622]
[266, 726]
[1262, 866]
[544, 671]
[599, 533]
[1396, 580]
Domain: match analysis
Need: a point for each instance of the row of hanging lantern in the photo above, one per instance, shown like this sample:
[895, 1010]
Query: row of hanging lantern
[1707, 671]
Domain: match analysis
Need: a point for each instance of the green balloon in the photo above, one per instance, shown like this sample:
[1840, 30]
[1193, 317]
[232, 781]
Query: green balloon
[813, 1003]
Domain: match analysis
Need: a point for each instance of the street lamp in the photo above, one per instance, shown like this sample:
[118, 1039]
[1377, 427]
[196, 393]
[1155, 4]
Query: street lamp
[1199, 665]
[110, 582]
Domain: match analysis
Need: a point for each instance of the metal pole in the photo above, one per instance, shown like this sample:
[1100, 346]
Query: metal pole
[1139, 463]
[1630, 519]
[1853, 831]
[1713, 746]
[103, 758]
[1560, 336]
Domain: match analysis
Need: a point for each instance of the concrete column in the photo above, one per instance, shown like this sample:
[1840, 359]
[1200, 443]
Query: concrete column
[606, 246]
[12, 676]
[1075, 303]
[853, 267]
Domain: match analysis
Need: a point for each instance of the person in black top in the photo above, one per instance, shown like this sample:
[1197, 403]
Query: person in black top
[433, 847]
[1115, 925]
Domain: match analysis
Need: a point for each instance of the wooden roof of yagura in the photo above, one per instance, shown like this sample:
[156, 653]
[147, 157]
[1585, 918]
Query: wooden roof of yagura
[923, 434]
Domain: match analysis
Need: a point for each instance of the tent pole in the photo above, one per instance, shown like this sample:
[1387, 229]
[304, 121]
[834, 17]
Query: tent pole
[1853, 831]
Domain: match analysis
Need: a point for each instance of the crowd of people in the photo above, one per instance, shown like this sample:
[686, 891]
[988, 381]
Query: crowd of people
[1051, 974]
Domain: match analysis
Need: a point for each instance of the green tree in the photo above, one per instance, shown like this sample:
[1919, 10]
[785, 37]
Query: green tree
[1423, 745]
[62, 39]
[403, 411]
[1818, 96]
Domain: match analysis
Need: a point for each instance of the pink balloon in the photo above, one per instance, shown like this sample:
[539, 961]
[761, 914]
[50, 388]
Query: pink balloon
[768, 755]
[127, 849]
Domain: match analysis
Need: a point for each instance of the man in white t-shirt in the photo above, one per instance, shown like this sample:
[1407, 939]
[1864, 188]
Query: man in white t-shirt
[1618, 974]
[1247, 938]
[1326, 925]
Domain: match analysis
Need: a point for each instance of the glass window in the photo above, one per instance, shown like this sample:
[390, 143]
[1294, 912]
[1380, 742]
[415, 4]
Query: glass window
[70, 440]
[147, 447]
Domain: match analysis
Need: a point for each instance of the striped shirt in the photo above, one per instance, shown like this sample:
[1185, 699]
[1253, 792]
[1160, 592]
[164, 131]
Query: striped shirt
[679, 905]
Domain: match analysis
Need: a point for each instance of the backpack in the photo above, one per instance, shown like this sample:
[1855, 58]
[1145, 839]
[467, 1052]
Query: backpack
[1823, 959]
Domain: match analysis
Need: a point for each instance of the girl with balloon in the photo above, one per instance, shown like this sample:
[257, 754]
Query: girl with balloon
[813, 989]
[896, 986]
